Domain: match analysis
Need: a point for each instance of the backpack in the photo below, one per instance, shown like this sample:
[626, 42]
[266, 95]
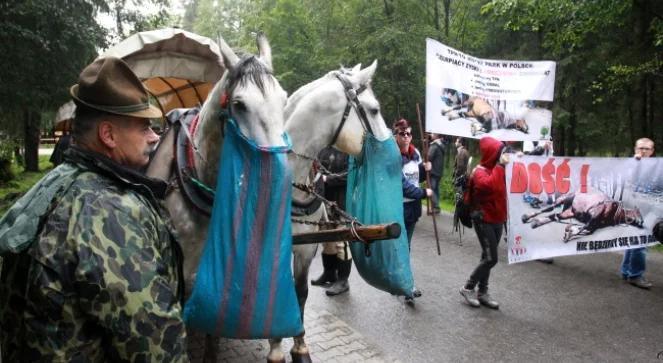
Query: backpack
[463, 210]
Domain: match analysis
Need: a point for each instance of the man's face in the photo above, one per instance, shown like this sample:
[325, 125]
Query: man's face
[135, 140]
[404, 138]
[457, 143]
[644, 148]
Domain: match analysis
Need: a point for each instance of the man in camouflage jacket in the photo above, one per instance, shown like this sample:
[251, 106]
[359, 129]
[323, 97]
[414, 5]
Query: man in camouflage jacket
[95, 275]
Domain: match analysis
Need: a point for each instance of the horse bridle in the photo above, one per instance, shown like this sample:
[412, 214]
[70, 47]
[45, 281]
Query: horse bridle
[352, 95]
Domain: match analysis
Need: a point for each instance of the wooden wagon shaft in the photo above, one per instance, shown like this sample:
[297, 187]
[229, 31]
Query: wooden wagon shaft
[368, 233]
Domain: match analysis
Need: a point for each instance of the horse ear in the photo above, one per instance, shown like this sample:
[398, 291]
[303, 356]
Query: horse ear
[230, 59]
[366, 74]
[356, 68]
[264, 49]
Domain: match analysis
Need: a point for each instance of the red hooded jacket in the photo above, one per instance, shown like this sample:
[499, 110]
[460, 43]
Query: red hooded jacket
[487, 188]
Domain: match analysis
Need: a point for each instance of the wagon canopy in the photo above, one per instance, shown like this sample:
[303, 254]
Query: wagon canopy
[177, 67]
[64, 117]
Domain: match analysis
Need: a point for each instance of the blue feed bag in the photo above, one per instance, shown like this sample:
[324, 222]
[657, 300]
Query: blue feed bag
[375, 196]
[244, 286]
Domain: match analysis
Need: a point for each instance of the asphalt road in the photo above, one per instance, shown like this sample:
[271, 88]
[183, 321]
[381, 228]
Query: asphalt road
[575, 310]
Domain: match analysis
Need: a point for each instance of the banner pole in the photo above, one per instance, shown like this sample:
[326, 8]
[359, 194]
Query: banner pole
[424, 147]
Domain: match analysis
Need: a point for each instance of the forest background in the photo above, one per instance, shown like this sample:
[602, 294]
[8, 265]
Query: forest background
[608, 53]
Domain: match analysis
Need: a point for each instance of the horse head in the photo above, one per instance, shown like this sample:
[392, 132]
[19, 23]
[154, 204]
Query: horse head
[248, 93]
[633, 217]
[345, 108]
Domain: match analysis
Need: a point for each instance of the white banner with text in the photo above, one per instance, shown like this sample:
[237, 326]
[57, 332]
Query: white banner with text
[562, 206]
[471, 97]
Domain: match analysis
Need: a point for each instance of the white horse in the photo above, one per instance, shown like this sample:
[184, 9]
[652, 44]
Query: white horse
[337, 110]
[256, 101]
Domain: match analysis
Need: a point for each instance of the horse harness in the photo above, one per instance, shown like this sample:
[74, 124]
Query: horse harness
[352, 95]
[183, 125]
[308, 207]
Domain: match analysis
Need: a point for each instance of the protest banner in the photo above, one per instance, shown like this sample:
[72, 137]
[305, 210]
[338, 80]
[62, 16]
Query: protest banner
[571, 205]
[472, 97]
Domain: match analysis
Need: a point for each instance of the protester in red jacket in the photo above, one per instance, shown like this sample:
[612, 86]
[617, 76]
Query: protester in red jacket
[487, 196]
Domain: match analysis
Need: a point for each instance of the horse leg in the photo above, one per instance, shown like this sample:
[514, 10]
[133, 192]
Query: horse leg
[301, 355]
[526, 217]
[275, 352]
[303, 255]
[565, 214]
[211, 349]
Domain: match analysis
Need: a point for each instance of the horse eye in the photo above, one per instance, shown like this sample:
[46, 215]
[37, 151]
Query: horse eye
[239, 106]
[374, 111]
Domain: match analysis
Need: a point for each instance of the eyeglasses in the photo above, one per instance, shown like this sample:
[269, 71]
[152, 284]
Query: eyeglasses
[405, 134]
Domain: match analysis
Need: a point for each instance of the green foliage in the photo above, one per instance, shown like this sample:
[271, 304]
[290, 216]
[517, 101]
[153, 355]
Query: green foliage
[130, 15]
[14, 189]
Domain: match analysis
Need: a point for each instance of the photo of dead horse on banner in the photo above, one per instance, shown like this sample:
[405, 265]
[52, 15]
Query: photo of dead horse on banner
[573, 205]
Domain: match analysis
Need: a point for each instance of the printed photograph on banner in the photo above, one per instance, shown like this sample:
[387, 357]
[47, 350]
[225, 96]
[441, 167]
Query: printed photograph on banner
[559, 206]
[472, 97]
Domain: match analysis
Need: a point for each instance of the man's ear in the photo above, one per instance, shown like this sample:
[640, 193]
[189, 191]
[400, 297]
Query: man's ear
[106, 133]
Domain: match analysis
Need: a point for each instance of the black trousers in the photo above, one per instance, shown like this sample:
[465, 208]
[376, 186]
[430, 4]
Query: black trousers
[489, 237]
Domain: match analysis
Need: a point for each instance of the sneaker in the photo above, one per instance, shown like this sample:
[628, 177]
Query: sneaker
[470, 296]
[487, 300]
[409, 300]
[640, 282]
[416, 292]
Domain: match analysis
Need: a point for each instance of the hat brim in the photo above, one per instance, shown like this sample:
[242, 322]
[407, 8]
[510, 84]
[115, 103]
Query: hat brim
[150, 112]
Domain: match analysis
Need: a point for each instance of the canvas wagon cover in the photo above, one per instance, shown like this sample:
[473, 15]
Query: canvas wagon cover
[64, 117]
[178, 67]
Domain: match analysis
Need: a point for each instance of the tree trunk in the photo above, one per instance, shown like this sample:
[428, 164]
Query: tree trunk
[436, 15]
[388, 9]
[641, 41]
[559, 141]
[119, 5]
[31, 139]
[447, 8]
[573, 123]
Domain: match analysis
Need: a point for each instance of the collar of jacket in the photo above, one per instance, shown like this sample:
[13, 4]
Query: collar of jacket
[103, 165]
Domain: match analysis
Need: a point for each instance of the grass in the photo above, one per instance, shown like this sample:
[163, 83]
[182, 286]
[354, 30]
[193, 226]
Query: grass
[15, 188]
[446, 202]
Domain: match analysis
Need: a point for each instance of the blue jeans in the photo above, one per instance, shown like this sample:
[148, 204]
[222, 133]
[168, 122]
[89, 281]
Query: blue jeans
[634, 263]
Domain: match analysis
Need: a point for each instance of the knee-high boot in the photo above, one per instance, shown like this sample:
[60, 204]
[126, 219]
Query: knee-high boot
[342, 285]
[328, 277]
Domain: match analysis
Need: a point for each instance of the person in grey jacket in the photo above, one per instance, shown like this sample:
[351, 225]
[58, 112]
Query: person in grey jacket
[436, 151]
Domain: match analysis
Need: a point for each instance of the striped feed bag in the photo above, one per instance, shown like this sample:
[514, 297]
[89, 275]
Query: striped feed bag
[244, 286]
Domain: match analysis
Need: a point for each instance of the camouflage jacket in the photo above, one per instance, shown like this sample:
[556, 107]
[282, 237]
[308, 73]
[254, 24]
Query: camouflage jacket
[101, 281]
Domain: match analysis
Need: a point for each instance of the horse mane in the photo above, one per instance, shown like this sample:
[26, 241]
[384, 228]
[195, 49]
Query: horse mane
[249, 68]
[306, 89]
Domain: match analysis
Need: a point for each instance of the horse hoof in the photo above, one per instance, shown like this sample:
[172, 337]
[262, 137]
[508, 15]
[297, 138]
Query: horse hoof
[300, 357]
[525, 218]
[276, 361]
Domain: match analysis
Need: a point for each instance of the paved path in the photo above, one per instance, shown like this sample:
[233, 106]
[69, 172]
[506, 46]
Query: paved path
[329, 339]
[575, 310]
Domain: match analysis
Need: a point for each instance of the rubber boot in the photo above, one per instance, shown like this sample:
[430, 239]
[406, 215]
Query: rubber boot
[342, 285]
[328, 277]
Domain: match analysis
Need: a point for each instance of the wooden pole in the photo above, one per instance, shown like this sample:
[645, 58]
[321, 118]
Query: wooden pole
[424, 146]
[367, 233]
